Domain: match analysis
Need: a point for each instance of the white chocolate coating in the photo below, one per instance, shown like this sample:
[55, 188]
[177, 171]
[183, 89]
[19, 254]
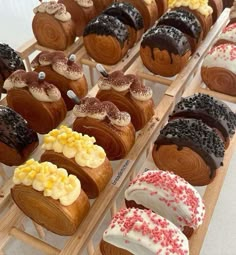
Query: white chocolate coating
[85, 3]
[229, 33]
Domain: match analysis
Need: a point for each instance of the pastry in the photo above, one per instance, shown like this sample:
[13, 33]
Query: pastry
[232, 14]
[101, 5]
[148, 10]
[190, 149]
[80, 156]
[228, 3]
[212, 112]
[186, 22]
[106, 39]
[38, 101]
[49, 196]
[199, 8]
[129, 95]
[142, 232]
[169, 196]
[219, 69]
[131, 17]
[217, 7]
[162, 7]
[165, 50]
[9, 62]
[228, 35]
[52, 26]
[63, 72]
[111, 128]
[17, 139]
[82, 11]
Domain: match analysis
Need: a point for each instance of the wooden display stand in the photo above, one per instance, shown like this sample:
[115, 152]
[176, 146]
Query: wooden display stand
[124, 170]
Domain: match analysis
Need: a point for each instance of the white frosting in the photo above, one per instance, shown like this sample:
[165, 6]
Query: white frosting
[171, 205]
[84, 3]
[122, 119]
[142, 232]
[229, 33]
[223, 56]
[142, 95]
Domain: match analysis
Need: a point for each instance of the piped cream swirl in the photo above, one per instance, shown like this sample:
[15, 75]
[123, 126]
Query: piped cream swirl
[84, 3]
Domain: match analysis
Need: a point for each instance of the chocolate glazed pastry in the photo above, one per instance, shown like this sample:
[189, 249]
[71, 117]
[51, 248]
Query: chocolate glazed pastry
[9, 62]
[186, 22]
[214, 113]
[17, 140]
[165, 50]
[131, 17]
[106, 39]
[190, 149]
[217, 6]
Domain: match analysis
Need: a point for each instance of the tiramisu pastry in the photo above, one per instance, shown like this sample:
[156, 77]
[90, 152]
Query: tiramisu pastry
[214, 113]
[106, 39]
[228, 35]
[148, 10]
[186, 22]
[165, 50]
[190, 149]
[52, 26]
[101, 5]
[142, 232]
[9, 62]
[49, 196]
[17, 139]
[219, 69]
[82, 11]
[232, 14]
[131, 17]
[200, 9]
[162, 7]
[38, 101]
[217, 7]
[63, 72]
[80, 156]
[111, 128]
[169, 196]
[129, 94]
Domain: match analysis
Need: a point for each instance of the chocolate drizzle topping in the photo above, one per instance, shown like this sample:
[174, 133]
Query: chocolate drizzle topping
[107, 25]
[214, 113]
[126, 13]
[166, 38]
[197, 136]
[14, 130]
[183, 20]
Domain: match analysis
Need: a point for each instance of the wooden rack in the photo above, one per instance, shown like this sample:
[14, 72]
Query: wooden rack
[185, 83]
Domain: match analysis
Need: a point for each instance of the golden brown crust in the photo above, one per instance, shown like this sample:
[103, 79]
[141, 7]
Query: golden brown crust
[116, 141]
[42, 117]
[108, 249]
[217, 6]
[52, 33]
[219, 79]
[162, 6]
[101, 5]
[59, 219]
[223, 41]
[93, 180]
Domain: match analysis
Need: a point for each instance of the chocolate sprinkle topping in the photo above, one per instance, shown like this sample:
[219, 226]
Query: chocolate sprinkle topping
[126, 13]
[196, 135]
[166, 38]
[183, 20]
[214, 113]
[14, 130]
[107, 25]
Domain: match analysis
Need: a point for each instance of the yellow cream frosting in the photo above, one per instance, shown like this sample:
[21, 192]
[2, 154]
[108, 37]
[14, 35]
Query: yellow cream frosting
[52, 181]
[75, 145]
[198, 5]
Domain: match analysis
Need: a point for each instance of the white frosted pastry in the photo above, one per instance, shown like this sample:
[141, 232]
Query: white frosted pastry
[229, 34]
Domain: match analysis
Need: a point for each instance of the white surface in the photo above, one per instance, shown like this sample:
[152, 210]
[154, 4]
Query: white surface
[15, 27]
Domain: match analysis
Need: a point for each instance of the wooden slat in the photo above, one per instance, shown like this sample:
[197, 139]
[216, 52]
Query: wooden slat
[27, 48]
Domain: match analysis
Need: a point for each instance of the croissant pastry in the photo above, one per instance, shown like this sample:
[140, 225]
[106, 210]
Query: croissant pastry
[136, 231]
[80, 157]
[39, 102]
[190, 149]
[50, 197]
[111, 128]
[218, 69]
[129, 95]
[82, 11]
[106, 39]
[52, 26]
[63, 72]
[101, 5]
[17, 140]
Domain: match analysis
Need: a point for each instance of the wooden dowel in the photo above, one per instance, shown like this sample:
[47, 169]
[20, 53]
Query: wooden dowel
[28, 65]
[113, 209]
[91, 75]
[154, 78]
[34, 242]
[40, 230]
[90, 248]
[2, 172]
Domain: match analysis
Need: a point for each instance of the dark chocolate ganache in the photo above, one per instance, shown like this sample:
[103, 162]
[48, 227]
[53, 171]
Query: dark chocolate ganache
[197, 136]
[127, 14]
[107, 25]
[14, 130]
